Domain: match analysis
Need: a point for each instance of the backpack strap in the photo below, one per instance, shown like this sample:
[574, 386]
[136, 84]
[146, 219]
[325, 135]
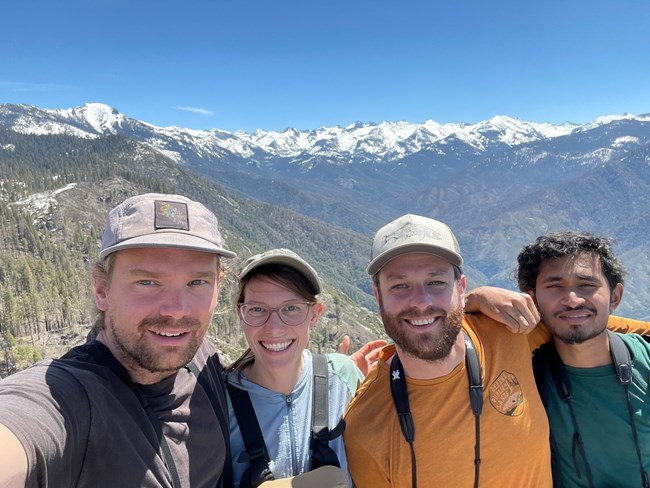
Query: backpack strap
[256, 454]
[399, 393]
[475, 376]
[400, 396]
[322, 453]
[226, 479]
[623, 365]
[550, 363]
[541, 370]
[621, 357]
[546, 360]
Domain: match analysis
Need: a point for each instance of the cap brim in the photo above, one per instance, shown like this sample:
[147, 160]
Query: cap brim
[174, 240]
[304, 269]
[381, 260]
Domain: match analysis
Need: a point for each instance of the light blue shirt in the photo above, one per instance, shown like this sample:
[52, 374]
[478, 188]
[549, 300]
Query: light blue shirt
[285, 420]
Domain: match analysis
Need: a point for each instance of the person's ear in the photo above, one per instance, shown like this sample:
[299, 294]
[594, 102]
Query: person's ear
[462, 287]
[317, 312]
[377, 292]
[616, 297]
[100, 285]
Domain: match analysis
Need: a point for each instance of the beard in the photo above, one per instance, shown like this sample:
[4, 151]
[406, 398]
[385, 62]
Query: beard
[432, 346]
[147, 356]
[577, 334]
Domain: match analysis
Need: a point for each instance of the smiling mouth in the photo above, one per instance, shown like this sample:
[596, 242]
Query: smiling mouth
[423, 321]
[574, 315]
[580, 314]
[168, 334]
[276, 346]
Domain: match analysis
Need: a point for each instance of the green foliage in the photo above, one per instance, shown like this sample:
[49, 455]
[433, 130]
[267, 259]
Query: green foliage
[46, 251]
[17, 353]
[25, 353]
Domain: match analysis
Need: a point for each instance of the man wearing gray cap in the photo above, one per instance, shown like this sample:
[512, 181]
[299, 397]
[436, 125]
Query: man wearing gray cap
[143, 404]
[453, 401]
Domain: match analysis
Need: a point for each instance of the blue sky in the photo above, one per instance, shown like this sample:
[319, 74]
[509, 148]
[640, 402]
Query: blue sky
[273, 64]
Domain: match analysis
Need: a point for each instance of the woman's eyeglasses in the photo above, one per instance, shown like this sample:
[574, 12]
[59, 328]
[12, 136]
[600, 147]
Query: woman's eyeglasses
[256, 315]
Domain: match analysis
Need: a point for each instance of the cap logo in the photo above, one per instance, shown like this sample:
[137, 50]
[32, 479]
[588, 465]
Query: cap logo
[273, 252]
[171, 215]
[409, 231]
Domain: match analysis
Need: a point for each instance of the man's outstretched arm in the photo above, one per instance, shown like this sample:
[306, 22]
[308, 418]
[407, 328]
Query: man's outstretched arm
[514, 309]
[13, 468]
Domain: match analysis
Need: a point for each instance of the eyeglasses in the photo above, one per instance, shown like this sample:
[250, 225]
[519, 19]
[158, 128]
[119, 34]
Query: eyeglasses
[256, 315]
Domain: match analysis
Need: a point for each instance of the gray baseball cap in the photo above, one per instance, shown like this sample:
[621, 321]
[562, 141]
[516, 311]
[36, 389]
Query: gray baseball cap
[286, 257]
[413, 233]
[159, 220]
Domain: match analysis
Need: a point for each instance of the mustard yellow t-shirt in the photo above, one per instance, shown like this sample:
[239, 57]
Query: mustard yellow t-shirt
[514, 431]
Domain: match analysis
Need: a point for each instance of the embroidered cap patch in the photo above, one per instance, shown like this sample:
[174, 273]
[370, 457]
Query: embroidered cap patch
[171, 215]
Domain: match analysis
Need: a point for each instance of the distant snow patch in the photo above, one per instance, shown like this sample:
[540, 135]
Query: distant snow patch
[39, 204]
[621, 141]
[599, 155]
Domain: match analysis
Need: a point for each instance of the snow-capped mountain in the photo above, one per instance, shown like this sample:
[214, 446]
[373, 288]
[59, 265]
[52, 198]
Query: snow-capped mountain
[406, 147]
[412, 166]
[384, 142]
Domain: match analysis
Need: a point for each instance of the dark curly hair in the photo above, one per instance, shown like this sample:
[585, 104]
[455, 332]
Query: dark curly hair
[567, 243]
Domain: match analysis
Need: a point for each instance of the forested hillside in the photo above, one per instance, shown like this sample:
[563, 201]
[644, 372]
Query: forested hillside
[498, 184]
[55, 192]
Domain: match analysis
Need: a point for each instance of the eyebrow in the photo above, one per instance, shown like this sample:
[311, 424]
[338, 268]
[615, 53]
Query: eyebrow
[402, 276]
[152, 274]
[282, 304]
[553, 278]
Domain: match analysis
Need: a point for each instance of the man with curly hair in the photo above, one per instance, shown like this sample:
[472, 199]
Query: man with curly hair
[594, 383]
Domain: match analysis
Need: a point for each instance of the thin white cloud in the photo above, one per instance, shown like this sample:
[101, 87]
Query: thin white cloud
[113, 76]
[23, 86]
[196, 110]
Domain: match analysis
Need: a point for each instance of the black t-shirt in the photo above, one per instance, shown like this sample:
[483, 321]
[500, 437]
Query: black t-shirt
[82, 426]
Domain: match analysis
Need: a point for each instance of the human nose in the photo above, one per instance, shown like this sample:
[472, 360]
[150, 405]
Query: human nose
[175, 304]
[274, 319]
[420, 298]
[572, 299]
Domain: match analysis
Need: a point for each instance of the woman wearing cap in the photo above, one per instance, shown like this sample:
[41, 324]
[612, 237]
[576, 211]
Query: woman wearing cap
[277, 306]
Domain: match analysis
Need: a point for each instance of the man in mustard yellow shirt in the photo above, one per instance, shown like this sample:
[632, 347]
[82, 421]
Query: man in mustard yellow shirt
[469, 412]
[418, 283]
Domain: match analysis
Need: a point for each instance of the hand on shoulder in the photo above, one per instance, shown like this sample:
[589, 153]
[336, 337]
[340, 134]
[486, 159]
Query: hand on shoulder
[515, 310]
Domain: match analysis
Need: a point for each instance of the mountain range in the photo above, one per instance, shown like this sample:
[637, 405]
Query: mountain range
[498, 183]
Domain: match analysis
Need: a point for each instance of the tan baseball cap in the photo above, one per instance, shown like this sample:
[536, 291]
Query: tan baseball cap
[413, 233]
[286, 257]
[160, 220]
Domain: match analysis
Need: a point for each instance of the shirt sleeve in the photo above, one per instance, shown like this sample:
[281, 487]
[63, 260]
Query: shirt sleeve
[44, 407]
[342, 366]
[628, 326]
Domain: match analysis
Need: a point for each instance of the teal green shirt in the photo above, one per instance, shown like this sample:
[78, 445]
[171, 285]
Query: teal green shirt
[604, 424]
